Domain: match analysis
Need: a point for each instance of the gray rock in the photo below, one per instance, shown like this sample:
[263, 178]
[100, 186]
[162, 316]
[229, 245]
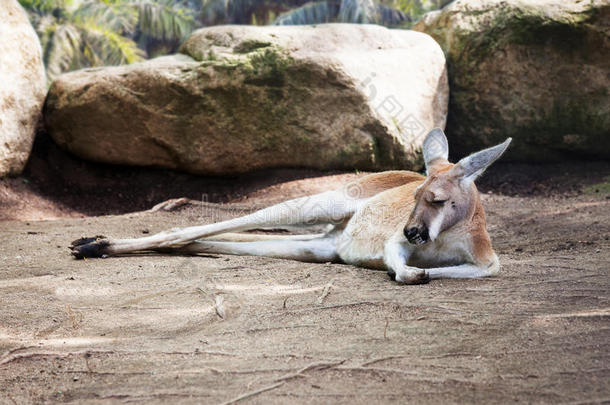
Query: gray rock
[243, 98]
[22, 87]
[536, 70]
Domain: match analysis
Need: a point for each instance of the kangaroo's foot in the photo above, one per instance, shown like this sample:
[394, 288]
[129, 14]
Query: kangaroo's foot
[96, 246]
[409, 275]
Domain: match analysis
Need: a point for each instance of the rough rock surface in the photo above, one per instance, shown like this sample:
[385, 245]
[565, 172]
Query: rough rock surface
[22, 86]
[244, 98]
[538, 71]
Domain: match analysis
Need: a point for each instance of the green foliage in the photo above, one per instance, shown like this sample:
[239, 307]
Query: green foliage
[83, 33]
[385, 12]
[259, 12]
[162, 19]
[45, 6]
[294, 12]
[600, 188]
[312, 12]
[359, 11]
[269, 61]
[415, 9]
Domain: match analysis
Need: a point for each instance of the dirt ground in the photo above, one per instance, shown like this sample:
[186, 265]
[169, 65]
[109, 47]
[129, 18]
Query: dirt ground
[215, 329]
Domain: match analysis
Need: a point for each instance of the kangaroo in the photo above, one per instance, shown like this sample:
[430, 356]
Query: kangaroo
[415, 227]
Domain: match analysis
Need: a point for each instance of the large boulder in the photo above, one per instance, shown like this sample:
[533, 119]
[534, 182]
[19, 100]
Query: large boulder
[243, 98]
[22, 86]
[536, 70]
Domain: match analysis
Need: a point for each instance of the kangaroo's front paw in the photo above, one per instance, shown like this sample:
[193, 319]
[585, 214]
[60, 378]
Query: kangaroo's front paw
[96, 246]
[412, 276]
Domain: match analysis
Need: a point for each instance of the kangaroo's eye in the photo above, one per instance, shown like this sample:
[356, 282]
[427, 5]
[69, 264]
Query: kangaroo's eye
[439, 203]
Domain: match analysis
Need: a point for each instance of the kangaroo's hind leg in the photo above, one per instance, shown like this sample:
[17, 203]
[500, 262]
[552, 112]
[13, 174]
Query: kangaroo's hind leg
[329, 207]
[319, 250]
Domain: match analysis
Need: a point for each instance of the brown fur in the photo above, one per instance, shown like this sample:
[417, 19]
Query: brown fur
[403, 202]
[481, 243]
[376, 183]
[370, 228]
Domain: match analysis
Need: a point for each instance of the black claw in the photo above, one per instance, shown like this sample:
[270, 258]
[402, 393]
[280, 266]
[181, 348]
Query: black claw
[89, 247]
[84, 241]
[422, 278]
[94, 249]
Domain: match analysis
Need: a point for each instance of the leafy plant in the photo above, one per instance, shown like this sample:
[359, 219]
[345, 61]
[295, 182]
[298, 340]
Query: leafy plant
[388, 12]
[82, 33]
[88, 33]
[415, 9]
[292, 12]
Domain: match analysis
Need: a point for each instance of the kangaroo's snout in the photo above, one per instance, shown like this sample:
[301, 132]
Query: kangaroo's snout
[417, 236]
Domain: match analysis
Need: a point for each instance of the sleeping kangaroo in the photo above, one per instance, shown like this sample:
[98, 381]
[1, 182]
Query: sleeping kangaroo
[414, 227]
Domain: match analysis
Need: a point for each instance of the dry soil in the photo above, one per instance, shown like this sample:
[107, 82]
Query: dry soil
[211, 329]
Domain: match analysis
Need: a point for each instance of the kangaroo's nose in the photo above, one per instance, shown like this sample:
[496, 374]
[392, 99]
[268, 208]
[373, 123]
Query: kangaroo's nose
[411, 233]
[424, 234]
[417, 236]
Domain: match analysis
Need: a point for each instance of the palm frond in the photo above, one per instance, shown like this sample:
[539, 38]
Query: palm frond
[213, 12]
[315, 12]
[350, 11]
[162, 20]
[61, 48]
[358, 11]
[70, 46]
[102, 46]
[414, 9]
[245, 11]
[45, 6]
[114, 15]
[391, 16]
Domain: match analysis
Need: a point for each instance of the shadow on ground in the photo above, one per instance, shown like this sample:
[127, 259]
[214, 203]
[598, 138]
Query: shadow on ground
[57, 185]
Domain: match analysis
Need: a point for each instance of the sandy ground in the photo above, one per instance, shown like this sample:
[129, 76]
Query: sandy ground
[212, 329]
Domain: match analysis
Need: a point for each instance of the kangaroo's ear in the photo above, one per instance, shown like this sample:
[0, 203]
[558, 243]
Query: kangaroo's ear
[435, 147]
[471, 167]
